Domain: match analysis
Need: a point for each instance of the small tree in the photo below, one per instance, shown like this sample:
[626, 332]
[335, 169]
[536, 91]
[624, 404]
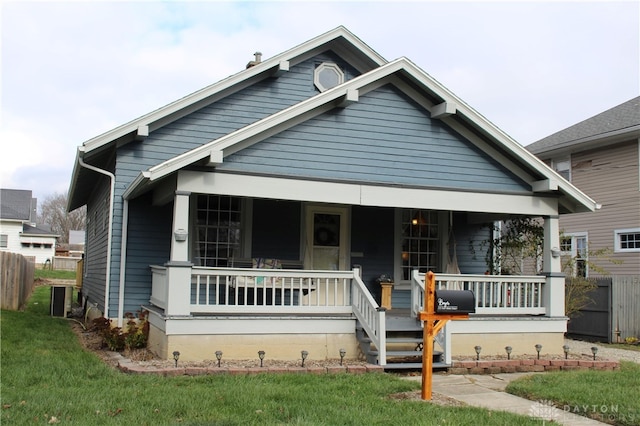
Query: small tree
[53, 212]
[520, 243]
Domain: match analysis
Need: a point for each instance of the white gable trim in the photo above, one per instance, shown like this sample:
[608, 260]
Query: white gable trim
[344, 93]
[272, 67]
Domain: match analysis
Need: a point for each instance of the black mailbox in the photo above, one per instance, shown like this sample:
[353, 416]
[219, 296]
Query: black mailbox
[455, 302]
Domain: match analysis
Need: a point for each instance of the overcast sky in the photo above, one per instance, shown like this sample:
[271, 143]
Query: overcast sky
[74, 70]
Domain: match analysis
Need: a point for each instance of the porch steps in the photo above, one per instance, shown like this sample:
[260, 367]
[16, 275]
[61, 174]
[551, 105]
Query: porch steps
[403, 344]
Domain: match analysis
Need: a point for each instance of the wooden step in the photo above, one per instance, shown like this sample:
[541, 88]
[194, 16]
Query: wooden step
[413, 365]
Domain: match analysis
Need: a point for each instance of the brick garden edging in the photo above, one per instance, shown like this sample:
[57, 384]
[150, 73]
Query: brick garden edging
[529, 366]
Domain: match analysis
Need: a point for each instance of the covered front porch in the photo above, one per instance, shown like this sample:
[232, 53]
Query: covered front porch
[198, 310]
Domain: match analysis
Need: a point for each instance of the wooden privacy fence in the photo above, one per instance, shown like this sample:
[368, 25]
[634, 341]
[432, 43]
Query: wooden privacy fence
[16, 280]
[614, 312]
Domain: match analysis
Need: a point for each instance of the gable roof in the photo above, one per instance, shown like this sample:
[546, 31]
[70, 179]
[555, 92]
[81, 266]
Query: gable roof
[417, 84]
[16, 204]
[376, 71]
[339, 40]
[613, 125]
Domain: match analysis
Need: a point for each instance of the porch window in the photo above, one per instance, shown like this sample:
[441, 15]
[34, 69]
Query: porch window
[218, 230]
[420, 242]
[575, 246]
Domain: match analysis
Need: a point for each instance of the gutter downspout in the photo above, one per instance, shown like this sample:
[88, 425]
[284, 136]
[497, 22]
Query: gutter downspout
[112, 177]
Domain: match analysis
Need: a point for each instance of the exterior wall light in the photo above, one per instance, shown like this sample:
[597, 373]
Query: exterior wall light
[180, 235]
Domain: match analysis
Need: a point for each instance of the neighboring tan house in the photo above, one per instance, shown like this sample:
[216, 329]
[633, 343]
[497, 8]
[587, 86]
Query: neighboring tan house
[601, 156]
[259, 212]
[19, 232]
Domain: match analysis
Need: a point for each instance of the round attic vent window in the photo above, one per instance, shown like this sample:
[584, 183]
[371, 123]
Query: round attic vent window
[327, 75]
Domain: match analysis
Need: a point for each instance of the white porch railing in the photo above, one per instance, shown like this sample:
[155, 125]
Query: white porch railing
[159, 287]
[242, 290]
[371, 317]
[494, 294]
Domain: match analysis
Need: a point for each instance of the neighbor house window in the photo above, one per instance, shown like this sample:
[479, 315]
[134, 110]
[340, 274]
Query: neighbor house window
[218, 223]
[575, 246]
[4, 240]
[327, 75]
[627, 240]
[420, 242]
[563, 167]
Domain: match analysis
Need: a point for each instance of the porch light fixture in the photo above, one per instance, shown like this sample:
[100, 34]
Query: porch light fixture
[538, 349]
[478, 350]
[176, 356]
[594, 351]
[508, 349]
[180, 235]
[555, 252]
[343, 352]
[261, 356]
[305, 354]
[218, 357]
[565, 348]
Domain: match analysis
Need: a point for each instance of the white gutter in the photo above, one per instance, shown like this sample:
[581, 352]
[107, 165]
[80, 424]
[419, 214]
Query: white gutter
[123, 260]
[109, 237]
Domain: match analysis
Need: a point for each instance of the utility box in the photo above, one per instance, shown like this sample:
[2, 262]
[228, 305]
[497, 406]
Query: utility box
[61, 300]
[455, 302]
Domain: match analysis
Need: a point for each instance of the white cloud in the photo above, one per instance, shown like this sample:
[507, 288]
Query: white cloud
[73, 70]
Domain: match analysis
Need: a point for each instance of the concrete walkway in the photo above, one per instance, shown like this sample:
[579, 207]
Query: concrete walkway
[487, 391]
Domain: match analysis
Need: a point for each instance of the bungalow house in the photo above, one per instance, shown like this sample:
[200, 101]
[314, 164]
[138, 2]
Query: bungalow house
[19, 232]
[260, 212]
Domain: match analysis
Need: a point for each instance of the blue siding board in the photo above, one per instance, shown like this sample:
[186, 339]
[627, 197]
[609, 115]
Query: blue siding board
[401, 146]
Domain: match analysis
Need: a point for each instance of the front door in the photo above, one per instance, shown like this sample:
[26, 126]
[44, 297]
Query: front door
[326, 238]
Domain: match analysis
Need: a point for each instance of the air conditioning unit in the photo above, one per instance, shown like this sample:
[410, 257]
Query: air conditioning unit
[61, 300]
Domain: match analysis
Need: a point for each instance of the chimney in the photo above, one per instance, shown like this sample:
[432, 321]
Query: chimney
[256, 61]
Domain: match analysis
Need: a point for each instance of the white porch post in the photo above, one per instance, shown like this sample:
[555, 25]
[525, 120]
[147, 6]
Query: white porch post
[179, 267]
[553, 295]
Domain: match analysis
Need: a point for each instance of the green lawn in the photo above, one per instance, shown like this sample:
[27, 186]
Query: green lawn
[610, 396]
[49, 274]
[47, 378]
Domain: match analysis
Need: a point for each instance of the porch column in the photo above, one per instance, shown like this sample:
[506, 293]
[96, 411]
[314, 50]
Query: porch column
[553, 295]
[179, 267]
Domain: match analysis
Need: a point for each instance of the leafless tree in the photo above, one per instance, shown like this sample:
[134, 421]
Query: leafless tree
[53, 212]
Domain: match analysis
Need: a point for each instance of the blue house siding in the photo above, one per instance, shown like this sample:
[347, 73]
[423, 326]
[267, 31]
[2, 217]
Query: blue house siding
[372, 235]
[149, 243]
[95, 264]
[384, 138]
[471, 245]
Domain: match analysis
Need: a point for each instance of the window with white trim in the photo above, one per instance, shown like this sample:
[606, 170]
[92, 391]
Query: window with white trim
[420, 242]
[4, 240]
[563, 167]
[627, 240]
[327, 76]
[575, 245]
[218, 236]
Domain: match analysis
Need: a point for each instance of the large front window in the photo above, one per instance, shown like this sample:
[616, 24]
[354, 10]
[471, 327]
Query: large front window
[218, 230]
[420, 241]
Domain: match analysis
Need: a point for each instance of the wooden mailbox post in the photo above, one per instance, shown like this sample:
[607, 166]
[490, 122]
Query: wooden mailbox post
[433, 323]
